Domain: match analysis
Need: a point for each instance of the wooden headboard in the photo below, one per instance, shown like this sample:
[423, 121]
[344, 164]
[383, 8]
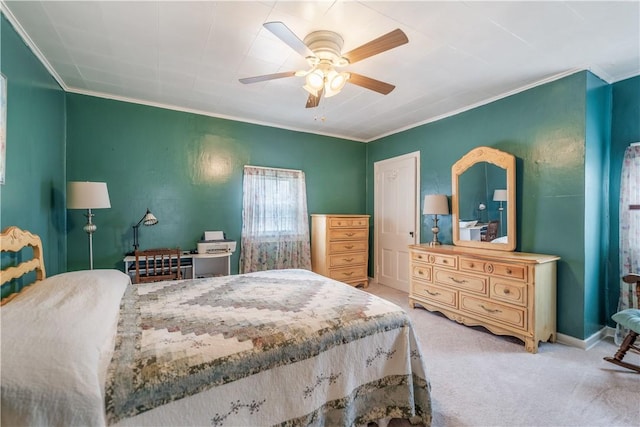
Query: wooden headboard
[13, 239]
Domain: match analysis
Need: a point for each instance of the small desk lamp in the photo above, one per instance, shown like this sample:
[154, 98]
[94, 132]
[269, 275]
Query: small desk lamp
[435, 204]
[148, 219]
[88, 195]
[500, 196]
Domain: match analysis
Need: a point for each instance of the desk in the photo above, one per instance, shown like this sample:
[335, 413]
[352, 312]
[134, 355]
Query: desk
[472, 233]
[192, 265]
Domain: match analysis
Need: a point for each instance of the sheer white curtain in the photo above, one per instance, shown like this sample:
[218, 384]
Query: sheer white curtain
[275, 224]
[629, 230]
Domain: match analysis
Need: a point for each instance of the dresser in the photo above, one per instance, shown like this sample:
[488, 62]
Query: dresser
[509, 293]
[340, 247]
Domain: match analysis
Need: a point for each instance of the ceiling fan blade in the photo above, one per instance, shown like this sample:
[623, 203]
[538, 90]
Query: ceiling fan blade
[313, 101]
[289, 37]
[388, 41]
[266, 77]
[371, 84]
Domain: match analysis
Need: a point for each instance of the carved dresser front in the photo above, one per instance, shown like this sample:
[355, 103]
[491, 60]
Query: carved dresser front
[509, 293]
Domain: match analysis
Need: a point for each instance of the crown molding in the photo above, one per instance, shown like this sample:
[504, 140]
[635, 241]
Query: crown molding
[30, 44]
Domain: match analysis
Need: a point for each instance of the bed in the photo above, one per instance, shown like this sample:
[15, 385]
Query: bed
[286, 347]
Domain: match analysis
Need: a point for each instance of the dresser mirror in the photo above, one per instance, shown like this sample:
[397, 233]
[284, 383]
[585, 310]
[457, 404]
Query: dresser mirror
[483, 200]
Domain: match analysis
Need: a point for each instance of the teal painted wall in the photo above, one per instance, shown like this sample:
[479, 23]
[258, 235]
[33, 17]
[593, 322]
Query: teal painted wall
[34, 190]
[187, 169]
[625, 129]
[544, 128]
[596, 233]
[188, 166]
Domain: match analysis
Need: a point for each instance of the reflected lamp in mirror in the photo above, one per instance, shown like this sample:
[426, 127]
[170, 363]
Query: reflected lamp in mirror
[500, 196]
[435, 204]
[88, 195]
[148, 219]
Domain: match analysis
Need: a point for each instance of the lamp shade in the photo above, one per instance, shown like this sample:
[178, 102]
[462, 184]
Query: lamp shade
[435, 204]
[87, 195]
[500, 195]
[148, 219]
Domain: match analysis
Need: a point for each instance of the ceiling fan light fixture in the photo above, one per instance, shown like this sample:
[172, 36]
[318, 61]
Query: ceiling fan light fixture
[335, 83]
[315, 80]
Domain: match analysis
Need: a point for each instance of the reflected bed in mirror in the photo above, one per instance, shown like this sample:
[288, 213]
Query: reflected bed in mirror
[483, 187]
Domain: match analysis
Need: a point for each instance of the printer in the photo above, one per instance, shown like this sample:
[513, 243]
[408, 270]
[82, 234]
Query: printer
[214, 242]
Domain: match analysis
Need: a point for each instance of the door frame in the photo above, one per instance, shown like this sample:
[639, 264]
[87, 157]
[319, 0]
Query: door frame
[376, 208]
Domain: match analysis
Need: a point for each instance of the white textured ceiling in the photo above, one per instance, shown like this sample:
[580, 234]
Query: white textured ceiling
[190, 55]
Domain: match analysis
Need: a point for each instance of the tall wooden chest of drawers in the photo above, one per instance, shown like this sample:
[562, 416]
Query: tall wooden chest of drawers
[340, 247]
[509, 293]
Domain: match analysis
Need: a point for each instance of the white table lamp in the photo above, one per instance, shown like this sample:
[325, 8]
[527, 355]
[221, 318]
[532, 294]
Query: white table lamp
[435, 204]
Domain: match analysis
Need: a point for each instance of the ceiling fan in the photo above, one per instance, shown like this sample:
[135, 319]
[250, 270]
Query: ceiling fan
[322, 50]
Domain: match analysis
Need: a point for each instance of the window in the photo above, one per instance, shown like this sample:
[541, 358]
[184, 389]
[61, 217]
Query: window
[629, 230]
[275, 224]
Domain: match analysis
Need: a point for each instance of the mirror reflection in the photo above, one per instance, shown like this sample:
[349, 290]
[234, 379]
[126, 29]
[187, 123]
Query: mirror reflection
[482, 199]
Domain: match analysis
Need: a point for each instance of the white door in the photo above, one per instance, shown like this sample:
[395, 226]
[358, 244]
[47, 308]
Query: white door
[396, 193]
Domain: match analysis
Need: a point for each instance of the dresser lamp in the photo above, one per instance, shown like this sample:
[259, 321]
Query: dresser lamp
[148, 219]
[500, 196]
[435, 204]
[88, 195]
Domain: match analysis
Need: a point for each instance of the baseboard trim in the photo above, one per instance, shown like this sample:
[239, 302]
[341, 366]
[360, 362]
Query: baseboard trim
[588, 343]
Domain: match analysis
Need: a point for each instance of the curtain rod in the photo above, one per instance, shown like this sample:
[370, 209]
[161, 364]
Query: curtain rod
[265, 167]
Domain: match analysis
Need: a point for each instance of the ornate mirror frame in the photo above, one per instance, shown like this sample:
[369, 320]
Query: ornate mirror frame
[503, 160]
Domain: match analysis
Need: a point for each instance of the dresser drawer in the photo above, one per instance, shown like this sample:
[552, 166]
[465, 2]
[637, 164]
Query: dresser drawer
[435, 294]
[349, 234]
[419, 256]
[347, 259]
[476, 284]
[421, 272]
[348, 273]
[359, 246]
[437, 259]
[348, 222]
[508, 315]
[443, 260]
[511, 271]
[472, 265]
[508, 291]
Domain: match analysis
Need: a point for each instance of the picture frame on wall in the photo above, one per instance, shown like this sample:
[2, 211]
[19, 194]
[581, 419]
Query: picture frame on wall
[3, 127]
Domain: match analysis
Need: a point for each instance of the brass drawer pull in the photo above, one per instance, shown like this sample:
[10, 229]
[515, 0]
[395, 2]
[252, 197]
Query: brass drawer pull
[348, 246]
[509, 271]
[420, 272]
[348, 274]
[488, 310]
[350, 234]
[444, 261]
[507, 291]
[453, 279]
[419, 256]
[471, 265]
[435, 294]
[347, 259]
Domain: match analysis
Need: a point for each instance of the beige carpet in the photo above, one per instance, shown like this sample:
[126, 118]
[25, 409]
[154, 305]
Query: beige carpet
[480, 379]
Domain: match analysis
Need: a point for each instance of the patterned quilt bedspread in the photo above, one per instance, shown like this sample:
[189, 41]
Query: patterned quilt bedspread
[284, 347]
